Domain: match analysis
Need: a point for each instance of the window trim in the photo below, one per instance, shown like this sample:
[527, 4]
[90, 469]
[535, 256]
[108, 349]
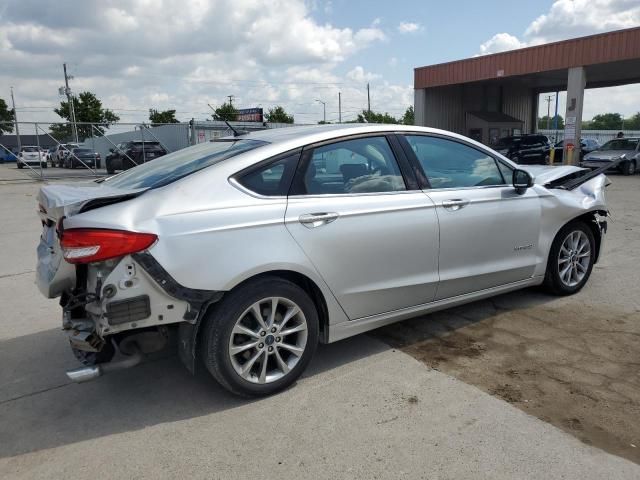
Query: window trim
[426, 185]
[234, 179]
[298, 189]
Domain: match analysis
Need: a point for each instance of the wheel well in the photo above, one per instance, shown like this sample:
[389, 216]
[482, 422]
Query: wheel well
[310, 287]
[591, 220]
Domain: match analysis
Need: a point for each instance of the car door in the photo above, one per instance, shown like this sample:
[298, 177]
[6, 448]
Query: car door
[488, 232]
[371, 233]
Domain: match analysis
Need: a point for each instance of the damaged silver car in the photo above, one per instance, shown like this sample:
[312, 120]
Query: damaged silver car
[253, 248]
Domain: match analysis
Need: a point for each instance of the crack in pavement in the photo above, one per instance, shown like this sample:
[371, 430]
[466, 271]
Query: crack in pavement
[8, 275]
[37, 392]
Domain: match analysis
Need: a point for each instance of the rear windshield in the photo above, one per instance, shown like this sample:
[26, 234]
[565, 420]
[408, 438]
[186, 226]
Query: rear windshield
[621, 144]
[29, 149]
[171, 167]
[81, 150]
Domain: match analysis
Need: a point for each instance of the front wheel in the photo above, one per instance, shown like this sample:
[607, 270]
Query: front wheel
[260, 338]
[629, 168]
[570, 260]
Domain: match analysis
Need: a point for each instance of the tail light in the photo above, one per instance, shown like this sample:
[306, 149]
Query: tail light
[87, 245]
[98, 156]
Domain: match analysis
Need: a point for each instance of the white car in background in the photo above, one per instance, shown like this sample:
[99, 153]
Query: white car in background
[32, 156]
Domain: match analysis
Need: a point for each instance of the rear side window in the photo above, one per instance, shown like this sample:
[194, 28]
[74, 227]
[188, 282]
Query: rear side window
[272, 179]
[449, 164]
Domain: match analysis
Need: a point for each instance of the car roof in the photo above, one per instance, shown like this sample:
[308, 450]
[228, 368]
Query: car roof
[304, 135]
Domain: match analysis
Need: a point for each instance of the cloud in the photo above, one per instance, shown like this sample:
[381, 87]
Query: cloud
[500, 42]
[569, 19]
[358, 74]
[408, 27]
[183, 55]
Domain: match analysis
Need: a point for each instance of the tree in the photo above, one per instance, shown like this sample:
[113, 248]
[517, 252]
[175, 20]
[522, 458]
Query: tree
[606, 121]
[88, 108]
[278, 115]
[166, 116]
[409, 117]
[373, 117]
[226, 112]
[6, 115]
[633, 122]
[542, 122]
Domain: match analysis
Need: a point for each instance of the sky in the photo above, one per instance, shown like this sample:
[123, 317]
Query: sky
[188, 54]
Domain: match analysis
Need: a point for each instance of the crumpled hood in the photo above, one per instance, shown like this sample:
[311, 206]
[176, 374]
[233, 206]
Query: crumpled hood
[59, 200]
[543, 174]
[607, 155]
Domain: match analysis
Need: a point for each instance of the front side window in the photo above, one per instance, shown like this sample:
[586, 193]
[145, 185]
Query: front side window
[273, 179]
[362, 165]
[621, 144]
[449, 164]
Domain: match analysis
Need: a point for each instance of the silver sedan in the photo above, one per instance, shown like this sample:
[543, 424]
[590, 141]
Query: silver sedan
[253, 248]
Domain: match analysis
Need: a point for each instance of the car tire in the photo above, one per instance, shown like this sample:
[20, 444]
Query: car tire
[110, 170]
[90, 359]
[20, 165]
[629, 168]
[571, 259]
[247, 371]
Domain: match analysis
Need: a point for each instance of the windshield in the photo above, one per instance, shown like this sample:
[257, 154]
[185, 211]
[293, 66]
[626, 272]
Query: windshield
[169, 168]
[621, 144]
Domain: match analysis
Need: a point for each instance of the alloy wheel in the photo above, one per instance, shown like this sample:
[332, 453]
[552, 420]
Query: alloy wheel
[574, 258]
[268, 340]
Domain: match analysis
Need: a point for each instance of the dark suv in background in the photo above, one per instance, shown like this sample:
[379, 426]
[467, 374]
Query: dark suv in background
[130, 154]
[587, 145]
[524, 149]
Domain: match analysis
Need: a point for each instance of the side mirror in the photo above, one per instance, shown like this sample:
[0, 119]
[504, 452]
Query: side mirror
[111, 150]
[521, 181]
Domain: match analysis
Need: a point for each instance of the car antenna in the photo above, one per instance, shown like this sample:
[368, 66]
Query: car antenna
[235, 132]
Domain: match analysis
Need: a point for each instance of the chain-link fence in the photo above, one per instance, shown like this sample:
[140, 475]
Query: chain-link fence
[47, 150]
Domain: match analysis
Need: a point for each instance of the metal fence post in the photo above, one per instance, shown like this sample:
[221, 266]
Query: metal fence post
[39, 152]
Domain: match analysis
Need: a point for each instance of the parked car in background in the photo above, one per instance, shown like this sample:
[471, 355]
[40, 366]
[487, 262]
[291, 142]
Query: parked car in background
[129, 154]
[82, 158]
[613, 150]
[32, 156]
[525, 149]
[62, 151]
[587, 145]
[252, 249]
[7, 156]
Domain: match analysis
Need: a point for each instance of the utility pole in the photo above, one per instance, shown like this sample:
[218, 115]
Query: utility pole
[548, 99]
[368, 100]
[15, 119]
[339, 107]
[230, 97]
[70, 100]
[324, 110]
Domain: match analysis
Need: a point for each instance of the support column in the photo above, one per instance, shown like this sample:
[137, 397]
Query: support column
[573, 117]
[419, 99]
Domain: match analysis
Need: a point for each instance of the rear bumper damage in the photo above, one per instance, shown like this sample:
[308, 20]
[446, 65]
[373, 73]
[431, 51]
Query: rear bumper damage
[135, 302]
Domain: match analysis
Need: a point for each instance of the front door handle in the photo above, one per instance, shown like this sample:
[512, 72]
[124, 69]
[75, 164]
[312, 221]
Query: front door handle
[455, 204]
[313, 220]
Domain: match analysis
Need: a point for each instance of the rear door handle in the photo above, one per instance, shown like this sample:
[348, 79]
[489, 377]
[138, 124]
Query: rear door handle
[313, 220]
[455, 204]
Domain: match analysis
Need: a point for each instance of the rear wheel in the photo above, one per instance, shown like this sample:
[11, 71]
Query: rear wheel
[20, 165]
[261, 337]
[570, 260]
